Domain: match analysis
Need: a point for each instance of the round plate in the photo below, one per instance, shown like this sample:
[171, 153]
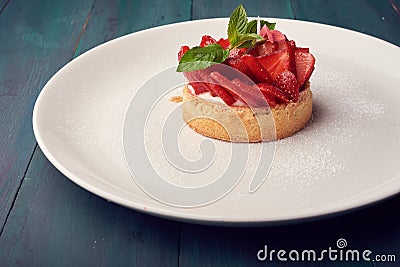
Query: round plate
[345, 158]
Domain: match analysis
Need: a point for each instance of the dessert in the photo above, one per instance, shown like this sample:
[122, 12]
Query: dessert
[253, 86]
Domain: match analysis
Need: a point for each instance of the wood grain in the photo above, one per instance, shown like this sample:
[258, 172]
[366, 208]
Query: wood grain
[34, 44]
[265, 8]
[376, 18]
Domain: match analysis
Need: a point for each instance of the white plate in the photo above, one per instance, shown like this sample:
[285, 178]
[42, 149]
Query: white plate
[346, 158]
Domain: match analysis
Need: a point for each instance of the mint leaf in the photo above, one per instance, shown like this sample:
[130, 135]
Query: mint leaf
[248, 39]
[199, 58]
[252, 25]
[237, 24]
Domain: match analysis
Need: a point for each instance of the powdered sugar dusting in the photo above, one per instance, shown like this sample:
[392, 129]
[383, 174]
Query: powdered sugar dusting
[341, 107]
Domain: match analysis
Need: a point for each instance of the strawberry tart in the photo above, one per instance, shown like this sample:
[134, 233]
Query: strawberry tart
[251, 87]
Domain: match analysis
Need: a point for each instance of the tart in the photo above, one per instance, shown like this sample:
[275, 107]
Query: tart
[252, 86]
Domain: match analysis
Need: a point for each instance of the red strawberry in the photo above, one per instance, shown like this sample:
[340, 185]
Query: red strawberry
[279, 61]
[302, 49]
[259, 71]
[206, 40]
[275, 63]
[236, 53]
[304, 66]
[272, 92]
[249, 94]
[238, 64]
[239, 89]
[287, 83]
[182, 51]
[196, 82]
[224, 43]
[265, 48]
[222, 93]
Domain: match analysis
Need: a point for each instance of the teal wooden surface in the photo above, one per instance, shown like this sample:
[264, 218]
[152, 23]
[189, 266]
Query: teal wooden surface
[37, 38]
[374, 17]
[46, 220]
[267, 8]
[111, 19]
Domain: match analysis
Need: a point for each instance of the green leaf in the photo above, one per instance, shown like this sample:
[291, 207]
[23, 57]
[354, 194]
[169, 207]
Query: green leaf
[247, 40]
[252, 25]
[199, 58]
[237, 24]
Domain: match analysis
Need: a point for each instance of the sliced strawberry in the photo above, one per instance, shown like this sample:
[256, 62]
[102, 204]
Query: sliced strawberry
[249, 94]
[302, 49]
[304, 66]
[182, 51]
[237, 52]
[239, 89]
[287, 83]
[275, 63]
[238, 64]
[271, 91]
[265, 48]
[222, 93]
[224, 43]
[199, 88]
[206, 40]
[259, 72]
[196, 82]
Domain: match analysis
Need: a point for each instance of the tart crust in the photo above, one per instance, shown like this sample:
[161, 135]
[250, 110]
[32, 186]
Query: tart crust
[243, 124]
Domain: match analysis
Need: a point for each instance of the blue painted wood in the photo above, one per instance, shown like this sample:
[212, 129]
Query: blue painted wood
[264, 8]
[377, 18]
[111, 19]
[34, 44]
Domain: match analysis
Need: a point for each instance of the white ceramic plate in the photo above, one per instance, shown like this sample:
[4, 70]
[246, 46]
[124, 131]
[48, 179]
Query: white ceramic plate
[346, 158]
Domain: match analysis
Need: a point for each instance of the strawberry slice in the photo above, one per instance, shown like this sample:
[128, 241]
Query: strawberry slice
[237, 52]
[287, 83]
[244, 92]
[259, 72]
[206, 40]
[222, 93]
[279, 61]
[302, 49]
[265, 48]
[272, 92]
[249, 94]
[275, 63]
[182, 51]
[196, 82]
[201, 83]
[238, 64]
[224, 43]
[304, 66]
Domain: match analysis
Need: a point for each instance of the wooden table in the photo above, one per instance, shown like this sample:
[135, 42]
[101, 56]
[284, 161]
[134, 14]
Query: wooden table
[46, 220]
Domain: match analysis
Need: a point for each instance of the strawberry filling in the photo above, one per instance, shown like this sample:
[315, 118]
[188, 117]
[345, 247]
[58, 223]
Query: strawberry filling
[278, 68]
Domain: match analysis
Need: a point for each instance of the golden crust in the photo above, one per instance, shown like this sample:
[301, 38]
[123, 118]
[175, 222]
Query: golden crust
[242, 124]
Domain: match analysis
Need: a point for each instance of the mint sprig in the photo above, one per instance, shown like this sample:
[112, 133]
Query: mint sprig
[199, 58]
[252, 25]
[237, 26]
[241, 34]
